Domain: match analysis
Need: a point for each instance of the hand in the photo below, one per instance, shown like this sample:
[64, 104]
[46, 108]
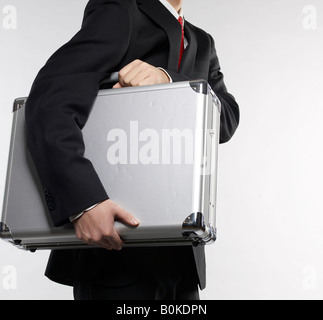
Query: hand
[96, 226]
[139, 73]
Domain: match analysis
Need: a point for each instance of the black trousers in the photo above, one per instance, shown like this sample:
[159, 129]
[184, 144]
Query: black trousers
[169, 278]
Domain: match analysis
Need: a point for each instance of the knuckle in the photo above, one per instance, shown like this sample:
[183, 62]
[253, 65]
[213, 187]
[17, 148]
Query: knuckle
[78, 235]
[96, 238]
[84, 239]
[122, 74]
[81, 236]
[126, 79]
[107, 234]
[93, 238]
[89, 239]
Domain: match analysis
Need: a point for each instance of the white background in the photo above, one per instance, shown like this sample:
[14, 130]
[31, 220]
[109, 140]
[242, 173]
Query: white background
[271, 174]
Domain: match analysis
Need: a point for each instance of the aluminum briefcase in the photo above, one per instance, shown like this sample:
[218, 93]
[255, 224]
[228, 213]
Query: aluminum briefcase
[155, 149]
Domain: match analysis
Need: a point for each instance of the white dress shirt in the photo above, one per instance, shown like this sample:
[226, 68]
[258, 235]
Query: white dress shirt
[172, 10]
[176, 15]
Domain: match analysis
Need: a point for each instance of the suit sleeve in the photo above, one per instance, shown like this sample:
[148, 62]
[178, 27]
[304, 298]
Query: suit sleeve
[60, 102]
[230, 114]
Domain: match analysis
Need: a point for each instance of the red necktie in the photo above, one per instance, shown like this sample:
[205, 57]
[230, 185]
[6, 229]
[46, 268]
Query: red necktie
[180, 20]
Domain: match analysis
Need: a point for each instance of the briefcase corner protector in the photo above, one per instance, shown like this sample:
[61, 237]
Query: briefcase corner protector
[203, 87]
[5, 233]
[194, 228]
[19, 103]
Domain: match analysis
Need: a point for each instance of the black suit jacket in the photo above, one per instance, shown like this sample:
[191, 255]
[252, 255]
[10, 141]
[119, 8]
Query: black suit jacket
[113, 34]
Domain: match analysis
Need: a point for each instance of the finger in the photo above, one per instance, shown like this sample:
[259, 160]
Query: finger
[102, 244]
[135, 79]
[117, 86]
[133, 75]
[131, 78]
[114, 241]
[147, 81]
[125, 71]
[124, 216]
[129, 67]
[111, 242]
[107, 245]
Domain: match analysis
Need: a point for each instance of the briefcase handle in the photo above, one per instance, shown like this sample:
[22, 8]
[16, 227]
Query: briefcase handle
[111, 80]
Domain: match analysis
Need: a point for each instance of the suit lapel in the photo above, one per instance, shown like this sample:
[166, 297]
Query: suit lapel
[160, 15]
[189, 56]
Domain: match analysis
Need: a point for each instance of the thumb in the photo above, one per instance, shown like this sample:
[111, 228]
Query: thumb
[126, 217]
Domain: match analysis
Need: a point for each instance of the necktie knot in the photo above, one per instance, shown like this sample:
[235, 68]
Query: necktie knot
[181, 21]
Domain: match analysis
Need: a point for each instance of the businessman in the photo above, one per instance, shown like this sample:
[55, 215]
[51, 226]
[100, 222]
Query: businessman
[149, 42]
